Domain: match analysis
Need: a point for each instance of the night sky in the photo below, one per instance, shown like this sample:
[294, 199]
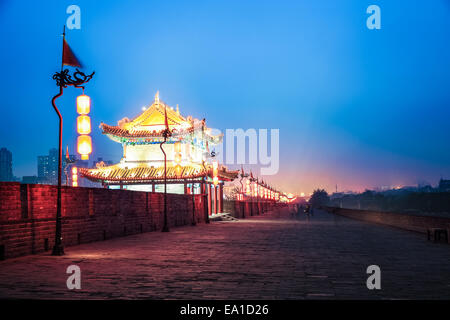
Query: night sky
[355, 107]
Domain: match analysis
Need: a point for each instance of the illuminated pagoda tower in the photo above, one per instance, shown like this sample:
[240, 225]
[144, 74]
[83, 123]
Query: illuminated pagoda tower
[189, 165]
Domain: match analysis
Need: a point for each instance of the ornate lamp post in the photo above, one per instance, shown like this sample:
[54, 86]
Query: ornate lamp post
[64, 79]
[205, 179]
[166, 134]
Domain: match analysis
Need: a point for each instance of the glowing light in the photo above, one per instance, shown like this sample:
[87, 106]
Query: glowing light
[178, 169]
[215, 168]
[84, 146]
[302, 194]
[177, 146]
[144, 108]
[84, 124]
[216, 181]
[83, 104]
[74, 177]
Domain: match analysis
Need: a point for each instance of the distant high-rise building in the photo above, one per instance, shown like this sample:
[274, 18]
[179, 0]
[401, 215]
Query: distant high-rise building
[5, 165]
[444, 185]
[48, 167]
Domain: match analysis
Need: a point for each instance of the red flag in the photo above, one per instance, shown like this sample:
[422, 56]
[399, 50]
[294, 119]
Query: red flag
[69, 58]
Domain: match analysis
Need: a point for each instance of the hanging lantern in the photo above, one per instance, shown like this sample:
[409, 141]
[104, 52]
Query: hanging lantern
[178, 170]
[84, 146]
[215, 168]
[83, 104]
[178, 158]
[215, 165]
[74, 177]
[177, 146]
[84, 124]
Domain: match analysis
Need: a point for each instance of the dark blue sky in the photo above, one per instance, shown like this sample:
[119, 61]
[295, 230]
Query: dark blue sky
[356, 107]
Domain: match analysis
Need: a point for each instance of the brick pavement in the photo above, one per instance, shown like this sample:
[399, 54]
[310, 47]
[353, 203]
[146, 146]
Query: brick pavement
[274, 256]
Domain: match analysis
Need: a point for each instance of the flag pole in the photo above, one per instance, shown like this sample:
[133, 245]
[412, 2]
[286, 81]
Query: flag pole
[58, 248]
[63, 79]
[64, 38]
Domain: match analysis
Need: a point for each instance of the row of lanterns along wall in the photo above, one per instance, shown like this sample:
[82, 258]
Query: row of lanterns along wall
[74, 177]
[84, 141]
[260, 191]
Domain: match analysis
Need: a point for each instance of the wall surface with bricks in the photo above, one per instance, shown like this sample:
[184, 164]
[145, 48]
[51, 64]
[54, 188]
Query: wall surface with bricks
[399, 220]
[243, 209]
[28, 211]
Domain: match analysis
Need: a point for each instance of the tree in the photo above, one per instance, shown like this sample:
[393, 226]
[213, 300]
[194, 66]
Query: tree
[233, 194]
[319, 198]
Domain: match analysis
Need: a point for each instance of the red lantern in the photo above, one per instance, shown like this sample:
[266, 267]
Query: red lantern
[83, 104]
[84, 146]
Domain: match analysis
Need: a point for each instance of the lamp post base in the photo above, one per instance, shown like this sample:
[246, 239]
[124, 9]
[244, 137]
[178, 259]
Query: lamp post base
[165, 229]
[58, 250]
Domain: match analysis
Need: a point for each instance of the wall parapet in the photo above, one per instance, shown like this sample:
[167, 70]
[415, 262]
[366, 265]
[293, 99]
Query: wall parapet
[399, 220]
[28, 214]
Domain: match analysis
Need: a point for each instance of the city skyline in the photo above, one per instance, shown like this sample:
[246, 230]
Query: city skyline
[46, 177]
[355, 107]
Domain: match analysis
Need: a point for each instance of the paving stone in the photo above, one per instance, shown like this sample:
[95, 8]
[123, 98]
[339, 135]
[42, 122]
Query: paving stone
[273, 256]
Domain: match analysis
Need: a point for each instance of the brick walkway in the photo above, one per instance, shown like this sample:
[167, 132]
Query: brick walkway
[266, 257]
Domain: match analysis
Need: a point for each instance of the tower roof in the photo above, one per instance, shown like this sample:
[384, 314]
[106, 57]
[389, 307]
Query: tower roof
[151, 124]
[144, 173]
[154, 117]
